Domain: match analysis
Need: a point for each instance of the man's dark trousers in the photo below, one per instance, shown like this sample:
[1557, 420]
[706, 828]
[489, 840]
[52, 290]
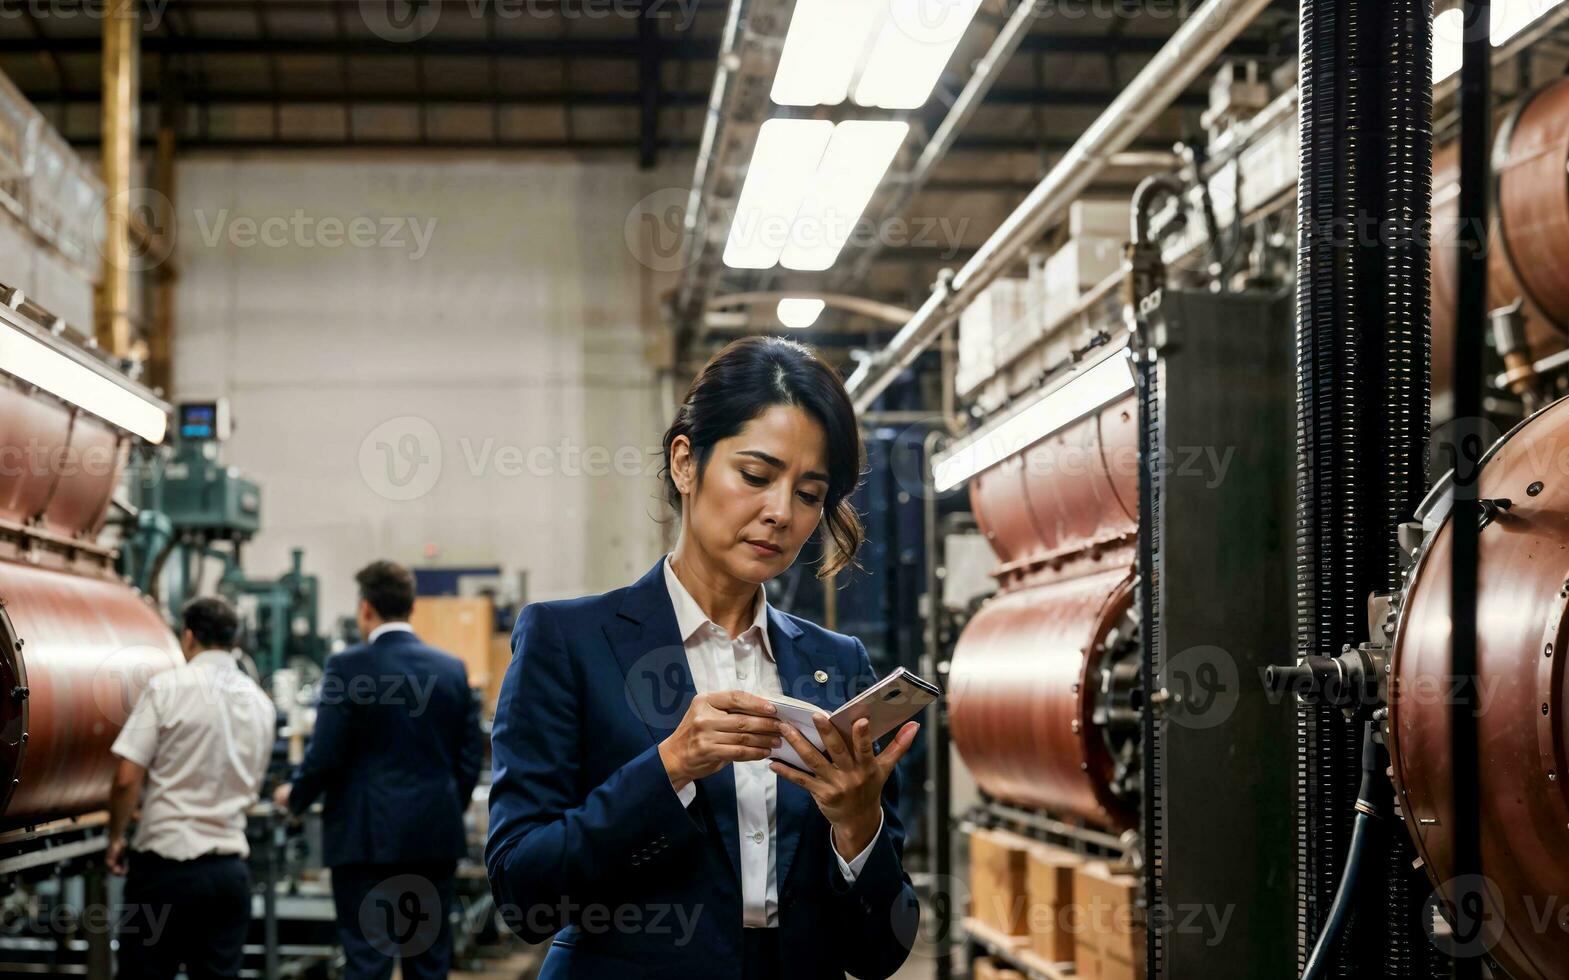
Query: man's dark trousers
[194, 912]
[394, 910]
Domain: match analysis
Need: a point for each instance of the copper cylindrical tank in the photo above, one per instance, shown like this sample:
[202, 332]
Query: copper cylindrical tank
[1021, 695]
[1528, 245]
[1523, 721]
[1022, 690]
[56, 472]
[1071, 493]
[75, 654]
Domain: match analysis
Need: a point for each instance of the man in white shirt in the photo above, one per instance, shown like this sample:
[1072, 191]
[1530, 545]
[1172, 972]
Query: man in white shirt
[194, 750]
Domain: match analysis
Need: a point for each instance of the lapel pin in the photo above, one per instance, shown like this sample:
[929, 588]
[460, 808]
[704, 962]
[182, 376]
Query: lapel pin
[821, 677]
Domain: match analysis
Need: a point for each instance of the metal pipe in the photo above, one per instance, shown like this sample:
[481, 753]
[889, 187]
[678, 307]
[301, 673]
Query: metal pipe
[887, 312]
[1202, 37]
[1475, 140]
[986, 73]
[121, 101]
[695, 243]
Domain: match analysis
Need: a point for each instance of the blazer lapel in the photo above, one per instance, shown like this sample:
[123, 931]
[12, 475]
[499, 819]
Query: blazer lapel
[659, 687]
[798, 661]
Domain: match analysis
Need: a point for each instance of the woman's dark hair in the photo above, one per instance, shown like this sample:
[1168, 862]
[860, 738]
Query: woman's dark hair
[752, 375]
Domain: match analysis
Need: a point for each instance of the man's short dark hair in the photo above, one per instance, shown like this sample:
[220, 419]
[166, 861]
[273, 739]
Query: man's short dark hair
[389, 588]
[213, 620]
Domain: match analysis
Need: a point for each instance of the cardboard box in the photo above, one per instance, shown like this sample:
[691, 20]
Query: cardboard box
[1005, 973]
[984, 969]
[992, 330]
[1049, 882]
[461, 626]
[1074, 270]
[1109, 933]
[999, 895]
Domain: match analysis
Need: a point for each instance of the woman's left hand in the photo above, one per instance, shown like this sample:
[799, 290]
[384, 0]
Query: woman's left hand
[847, 784]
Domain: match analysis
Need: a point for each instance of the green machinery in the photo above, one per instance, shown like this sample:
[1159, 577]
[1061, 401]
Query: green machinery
[190, 509]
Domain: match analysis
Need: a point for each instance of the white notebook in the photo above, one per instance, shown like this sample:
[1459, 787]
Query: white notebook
[887, 704]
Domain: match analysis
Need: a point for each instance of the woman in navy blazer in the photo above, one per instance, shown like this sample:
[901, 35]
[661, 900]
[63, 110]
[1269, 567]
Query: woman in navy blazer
[614, 827]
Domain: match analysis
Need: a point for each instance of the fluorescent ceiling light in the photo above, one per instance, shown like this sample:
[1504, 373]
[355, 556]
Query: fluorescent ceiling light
[1090, 390]
[799, 313]
[914, 44]
[854, 164]
[36, 363]
[822, 50]
[1509, 17]
[784, 161]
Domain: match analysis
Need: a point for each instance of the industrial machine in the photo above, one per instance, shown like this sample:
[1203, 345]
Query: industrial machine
[191, 509]
[1129, 690]
[77, 644]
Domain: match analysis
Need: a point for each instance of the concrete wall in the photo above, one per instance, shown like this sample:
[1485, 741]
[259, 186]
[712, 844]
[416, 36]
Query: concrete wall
[459, 378]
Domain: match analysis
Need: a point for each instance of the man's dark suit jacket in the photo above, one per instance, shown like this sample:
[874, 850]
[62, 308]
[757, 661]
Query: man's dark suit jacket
[590, 844]
[397, 750]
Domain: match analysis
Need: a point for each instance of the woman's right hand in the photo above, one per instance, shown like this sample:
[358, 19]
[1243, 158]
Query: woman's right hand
[719, 728]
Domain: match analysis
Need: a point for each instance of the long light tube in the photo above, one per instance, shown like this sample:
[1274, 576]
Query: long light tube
[853, 166]
[822, 50]
[30, 360]
[1089, 390]
[799, 312]
[784, 163]
[915, 42]
[1508, 20]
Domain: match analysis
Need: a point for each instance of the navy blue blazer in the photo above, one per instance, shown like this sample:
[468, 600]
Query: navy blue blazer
[590, 844]
[397, 750]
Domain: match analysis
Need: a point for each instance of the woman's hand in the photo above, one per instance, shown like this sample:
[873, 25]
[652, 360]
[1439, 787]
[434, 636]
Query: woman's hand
[718, 729]
[848, 784]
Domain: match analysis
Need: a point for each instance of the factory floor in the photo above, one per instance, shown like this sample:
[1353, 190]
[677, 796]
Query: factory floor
[521, 966]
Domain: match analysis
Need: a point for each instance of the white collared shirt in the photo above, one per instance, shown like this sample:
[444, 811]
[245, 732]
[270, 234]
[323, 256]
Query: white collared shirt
[745, 663]
[204, 732]
[384, 628]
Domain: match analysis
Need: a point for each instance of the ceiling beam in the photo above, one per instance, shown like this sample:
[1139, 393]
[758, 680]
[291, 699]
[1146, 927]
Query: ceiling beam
[1090, 99]
[628, 47]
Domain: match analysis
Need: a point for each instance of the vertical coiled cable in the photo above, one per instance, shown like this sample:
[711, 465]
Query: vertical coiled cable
[1362, 358]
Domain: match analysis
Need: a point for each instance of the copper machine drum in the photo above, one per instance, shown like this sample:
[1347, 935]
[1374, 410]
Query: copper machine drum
[1022, 688]
[75, 654]
[59, 472]
[75, 649]
[1021, 695]
[1529, 240]
[1523, 724]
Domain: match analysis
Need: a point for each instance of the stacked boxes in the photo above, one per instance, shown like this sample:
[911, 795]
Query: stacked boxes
[1109, 934]
[999, 895]
[992, 330]
[1097, 230]
[1049, 877]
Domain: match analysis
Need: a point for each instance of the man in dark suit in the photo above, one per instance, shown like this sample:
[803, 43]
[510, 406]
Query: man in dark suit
[396, 752]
